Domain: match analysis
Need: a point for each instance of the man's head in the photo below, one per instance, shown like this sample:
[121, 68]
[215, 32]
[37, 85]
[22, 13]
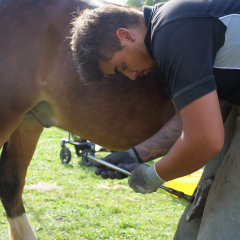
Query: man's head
[105, 40]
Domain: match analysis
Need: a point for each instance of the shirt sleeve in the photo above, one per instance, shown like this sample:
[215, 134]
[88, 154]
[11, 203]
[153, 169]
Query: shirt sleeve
[185, 51]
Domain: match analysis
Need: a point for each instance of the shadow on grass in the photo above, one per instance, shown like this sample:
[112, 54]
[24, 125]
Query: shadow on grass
[68, 166]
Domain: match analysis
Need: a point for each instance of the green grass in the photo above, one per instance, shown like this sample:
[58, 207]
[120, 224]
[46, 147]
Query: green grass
[84, 206]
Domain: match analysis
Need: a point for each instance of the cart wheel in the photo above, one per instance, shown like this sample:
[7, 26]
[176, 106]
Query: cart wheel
[65, 155]
[84, 159]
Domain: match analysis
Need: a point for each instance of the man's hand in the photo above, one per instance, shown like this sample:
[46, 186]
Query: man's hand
[127, 157]
[144, 179]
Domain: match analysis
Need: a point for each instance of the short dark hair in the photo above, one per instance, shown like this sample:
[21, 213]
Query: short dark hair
[94, 38]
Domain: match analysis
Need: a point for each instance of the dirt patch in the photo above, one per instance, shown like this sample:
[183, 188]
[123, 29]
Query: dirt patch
[43, 186]
[129, 198]
[114, 187]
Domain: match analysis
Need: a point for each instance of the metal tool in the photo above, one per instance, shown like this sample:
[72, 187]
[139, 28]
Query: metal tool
[197, 200]
[107, 164]
[114, 167]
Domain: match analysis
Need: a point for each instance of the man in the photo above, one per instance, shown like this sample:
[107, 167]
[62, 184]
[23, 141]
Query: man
[195, 47]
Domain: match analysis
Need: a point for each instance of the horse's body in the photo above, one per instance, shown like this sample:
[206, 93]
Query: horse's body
[40, 87]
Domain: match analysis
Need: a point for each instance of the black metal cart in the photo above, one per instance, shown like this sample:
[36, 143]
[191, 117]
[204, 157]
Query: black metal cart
[82, 147]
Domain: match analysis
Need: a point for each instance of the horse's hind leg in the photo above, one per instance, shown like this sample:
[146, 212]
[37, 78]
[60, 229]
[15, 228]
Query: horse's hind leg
[189, 230]
[221, 218]
[16, 156]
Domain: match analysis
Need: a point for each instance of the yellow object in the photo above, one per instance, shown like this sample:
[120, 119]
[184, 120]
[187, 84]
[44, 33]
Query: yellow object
[185, 184]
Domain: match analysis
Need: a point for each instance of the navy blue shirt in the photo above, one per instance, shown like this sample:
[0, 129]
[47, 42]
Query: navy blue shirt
[196, 45]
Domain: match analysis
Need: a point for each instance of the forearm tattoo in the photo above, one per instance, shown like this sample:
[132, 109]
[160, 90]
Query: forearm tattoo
[159, 144]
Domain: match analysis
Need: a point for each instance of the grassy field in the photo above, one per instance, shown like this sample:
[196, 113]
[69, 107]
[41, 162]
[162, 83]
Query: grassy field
[70, 202]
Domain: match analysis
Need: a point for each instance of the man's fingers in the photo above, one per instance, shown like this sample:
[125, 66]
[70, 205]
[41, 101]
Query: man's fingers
[99, 170]
[124, 166]
[96, 164]
[111, 174]
[128, 167]
[108, 173]
[120, 175]
[104, 175]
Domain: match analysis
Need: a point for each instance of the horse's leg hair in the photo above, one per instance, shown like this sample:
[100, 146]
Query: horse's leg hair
[189, 230]
[16, 156]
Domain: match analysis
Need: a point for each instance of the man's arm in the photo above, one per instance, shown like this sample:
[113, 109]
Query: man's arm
[201, 140]
[160, 143]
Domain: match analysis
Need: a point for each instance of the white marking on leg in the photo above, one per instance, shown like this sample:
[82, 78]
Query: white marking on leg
[20, 228]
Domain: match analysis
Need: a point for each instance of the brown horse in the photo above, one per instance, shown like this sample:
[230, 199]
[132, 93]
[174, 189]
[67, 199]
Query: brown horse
[40, 87]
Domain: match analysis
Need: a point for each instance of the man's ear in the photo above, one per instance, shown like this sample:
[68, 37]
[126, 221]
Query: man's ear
[125, 34]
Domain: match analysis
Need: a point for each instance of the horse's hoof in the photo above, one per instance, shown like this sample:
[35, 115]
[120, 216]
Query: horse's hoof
[200, 196]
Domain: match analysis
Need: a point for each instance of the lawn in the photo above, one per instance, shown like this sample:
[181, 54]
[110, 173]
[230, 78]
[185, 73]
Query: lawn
[71, 202]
